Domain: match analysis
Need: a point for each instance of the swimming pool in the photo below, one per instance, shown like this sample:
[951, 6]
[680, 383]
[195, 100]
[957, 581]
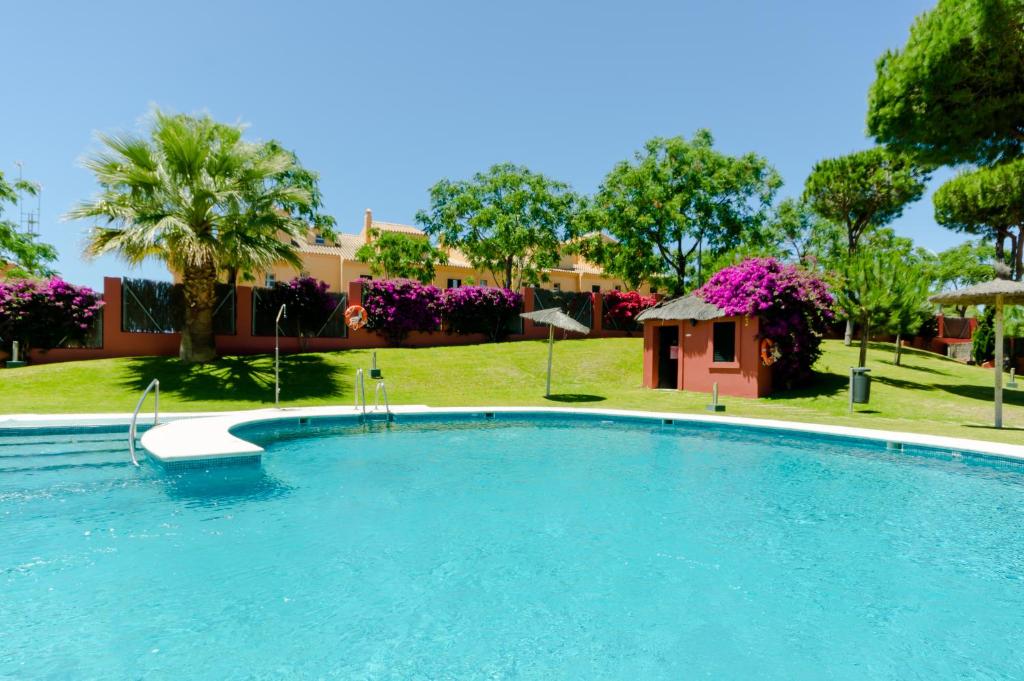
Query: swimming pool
[515, 547]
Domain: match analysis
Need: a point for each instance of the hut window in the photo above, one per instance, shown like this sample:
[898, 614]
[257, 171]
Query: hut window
[595, 289]
[724, 342]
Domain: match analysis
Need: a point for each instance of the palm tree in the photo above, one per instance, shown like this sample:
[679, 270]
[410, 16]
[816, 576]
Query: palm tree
[198, 197]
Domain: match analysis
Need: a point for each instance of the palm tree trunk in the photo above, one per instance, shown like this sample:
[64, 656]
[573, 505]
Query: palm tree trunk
[197, 344]
[848, 336]
[865, 331]
[899, 348]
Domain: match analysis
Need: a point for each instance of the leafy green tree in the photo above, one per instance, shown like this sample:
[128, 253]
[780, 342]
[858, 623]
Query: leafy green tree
[801, 234]
[508, 220]
[874, 287]
[249, 229]
[861, 191]
[983, 344]
[401, 256]
[910, 308]
[955, 92]
[964, 265]
[20, 254]
[176, 195]
[988, 202]
[676, 199]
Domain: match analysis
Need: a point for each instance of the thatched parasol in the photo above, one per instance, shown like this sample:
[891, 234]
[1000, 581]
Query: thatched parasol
[553, 317]
[996, 292]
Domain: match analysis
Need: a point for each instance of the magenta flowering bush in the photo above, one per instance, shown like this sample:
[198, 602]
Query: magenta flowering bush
[622, 307]
[46, 314]
[397, 308]
[794, 306]
[478, 309]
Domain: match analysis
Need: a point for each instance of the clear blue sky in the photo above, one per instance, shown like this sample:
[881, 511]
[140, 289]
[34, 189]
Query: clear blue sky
[384, 99]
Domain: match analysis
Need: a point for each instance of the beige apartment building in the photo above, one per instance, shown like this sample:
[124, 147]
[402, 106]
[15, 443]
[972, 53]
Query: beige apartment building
[334, 261]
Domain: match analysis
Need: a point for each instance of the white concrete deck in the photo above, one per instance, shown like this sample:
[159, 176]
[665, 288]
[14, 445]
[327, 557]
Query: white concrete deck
[191, 436]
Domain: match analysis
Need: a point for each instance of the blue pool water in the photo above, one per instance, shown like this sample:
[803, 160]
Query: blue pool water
[511, 549]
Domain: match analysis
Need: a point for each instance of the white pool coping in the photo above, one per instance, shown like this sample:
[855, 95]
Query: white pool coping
[195, 436]
[209, 436]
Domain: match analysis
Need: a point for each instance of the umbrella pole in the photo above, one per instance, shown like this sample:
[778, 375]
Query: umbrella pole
[999, 361]
[551, 346]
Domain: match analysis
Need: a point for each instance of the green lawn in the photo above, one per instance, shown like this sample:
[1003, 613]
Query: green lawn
[928, 394]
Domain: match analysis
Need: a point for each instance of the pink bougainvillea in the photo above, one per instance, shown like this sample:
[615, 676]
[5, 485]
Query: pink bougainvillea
[479, 309]
[397, 308]
[46, 314]
[794, 307]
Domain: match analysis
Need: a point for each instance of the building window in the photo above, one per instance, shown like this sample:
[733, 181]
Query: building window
[319, 239]
[654, 291]
[303, 274]
[454, 283]
[366, 277]
[483, 282]
[595, 289]
[724, 342]
[618, 287]
[269, 280]
[556, 286]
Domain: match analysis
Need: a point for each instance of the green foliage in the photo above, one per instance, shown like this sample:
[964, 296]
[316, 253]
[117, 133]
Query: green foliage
[675, 198]
[955, 92]
[884, 289]
[393, 255]
[509, 221]
[198, 197]
[988, 202]
[964, 265]
[800, 234]
[20, 254]
[983, 344]
[864, 189]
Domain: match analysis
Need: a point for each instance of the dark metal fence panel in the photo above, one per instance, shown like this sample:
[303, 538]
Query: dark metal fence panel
[578, 305]
[225, 311]
[267, 301]
[956, 327]
[159, 307]
[151, 306]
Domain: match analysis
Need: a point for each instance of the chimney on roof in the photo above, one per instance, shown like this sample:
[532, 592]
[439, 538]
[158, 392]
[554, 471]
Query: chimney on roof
[367, 224]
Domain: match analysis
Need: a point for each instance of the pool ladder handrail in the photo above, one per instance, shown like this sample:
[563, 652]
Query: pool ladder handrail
[132, 428]
[376, 398]
[359, 390]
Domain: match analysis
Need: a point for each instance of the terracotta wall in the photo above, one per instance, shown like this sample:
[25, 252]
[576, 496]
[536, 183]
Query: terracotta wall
[697, 371]
[117, 343]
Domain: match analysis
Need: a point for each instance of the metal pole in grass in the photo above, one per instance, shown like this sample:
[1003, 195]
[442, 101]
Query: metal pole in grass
[277, 357]
[551, 347]
[851, 390]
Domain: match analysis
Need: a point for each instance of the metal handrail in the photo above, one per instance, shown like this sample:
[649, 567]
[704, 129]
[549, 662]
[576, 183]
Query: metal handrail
[359, 389]
[376, 397]
[155, 383]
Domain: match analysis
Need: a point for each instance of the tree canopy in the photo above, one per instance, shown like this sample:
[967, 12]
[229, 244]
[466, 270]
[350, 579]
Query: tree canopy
[964, 265]
[401, 256]
[864, 189]
[508, 220]
[676, 198]
[21, 255]
[955, 92]
[198, 197]
[987, 202]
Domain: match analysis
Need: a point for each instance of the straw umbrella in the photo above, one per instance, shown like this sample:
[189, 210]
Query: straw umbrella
[553, 317]
[996, 292]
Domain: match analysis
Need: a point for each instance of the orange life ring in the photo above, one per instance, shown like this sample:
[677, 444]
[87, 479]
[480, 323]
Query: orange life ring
[355, 317]
[769, 352]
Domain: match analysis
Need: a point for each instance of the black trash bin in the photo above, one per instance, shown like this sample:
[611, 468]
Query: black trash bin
[861, 385]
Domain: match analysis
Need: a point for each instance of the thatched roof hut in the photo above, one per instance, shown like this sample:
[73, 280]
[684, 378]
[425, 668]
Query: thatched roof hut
[682, 308]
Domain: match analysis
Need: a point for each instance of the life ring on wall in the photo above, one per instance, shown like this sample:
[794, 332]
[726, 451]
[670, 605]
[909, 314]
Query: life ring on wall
[355, 317]
[769, 352]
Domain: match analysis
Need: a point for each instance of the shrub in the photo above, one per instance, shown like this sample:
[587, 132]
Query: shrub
[621, 308]
[478, 309]
[793, 305]
[983, 344]
[397, 308]
[46, 314]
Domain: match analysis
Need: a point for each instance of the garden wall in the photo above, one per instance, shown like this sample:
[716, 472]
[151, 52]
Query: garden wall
[116, 342]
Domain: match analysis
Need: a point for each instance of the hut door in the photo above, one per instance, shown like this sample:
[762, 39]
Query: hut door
[668, 361]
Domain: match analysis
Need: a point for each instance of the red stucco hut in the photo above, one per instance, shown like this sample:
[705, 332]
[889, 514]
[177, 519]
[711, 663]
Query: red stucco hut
[691, 345]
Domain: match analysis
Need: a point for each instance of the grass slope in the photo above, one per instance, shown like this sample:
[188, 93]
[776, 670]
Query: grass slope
[928, 394]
